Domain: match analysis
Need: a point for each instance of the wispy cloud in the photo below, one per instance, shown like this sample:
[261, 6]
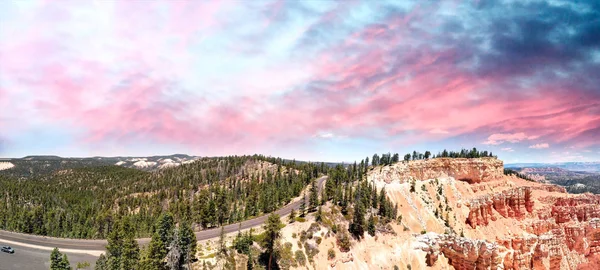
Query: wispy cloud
[539, 146]
[438, 131]
[500, 138]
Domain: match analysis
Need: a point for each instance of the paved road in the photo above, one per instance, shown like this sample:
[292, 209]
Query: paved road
[35, 258]
[33, 251]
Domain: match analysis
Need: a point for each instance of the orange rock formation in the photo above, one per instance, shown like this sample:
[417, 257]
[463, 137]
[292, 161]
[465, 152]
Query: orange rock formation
[509, 223]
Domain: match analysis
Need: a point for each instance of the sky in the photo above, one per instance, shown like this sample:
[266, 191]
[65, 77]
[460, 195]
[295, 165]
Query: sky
[311, 80]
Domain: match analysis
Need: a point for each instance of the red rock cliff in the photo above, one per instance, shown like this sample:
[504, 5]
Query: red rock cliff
[471, 170]
[512, 203]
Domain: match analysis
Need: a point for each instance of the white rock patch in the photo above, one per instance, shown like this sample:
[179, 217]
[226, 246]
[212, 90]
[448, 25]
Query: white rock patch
[6, 165]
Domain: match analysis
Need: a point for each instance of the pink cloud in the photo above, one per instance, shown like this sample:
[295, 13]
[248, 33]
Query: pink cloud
[500, 138]
[373, 83]
[539, 146]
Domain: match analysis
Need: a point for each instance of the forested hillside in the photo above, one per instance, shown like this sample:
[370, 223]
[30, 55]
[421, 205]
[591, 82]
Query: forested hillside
[39, 165]
[34, 166]
[86, 202]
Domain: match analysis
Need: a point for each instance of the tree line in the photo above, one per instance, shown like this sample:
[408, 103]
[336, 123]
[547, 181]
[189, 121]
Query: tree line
[388, 158]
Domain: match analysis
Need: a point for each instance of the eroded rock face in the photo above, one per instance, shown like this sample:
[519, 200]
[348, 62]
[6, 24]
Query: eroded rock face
[472, 170]
[578, 209]
[462, 253]
[512, 203]
[547, 251]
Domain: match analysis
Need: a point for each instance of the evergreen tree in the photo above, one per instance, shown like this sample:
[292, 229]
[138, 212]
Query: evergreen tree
[313, 196]
[374, 199]
[165, 226]
[130, 249]
[319, 215]
[292, 216]
[272, 229]
[123, 250]
[242, 242]
[59, 261]
[187, 243]
[383, 207]
[375, 160]
[371, 226]
[55, 259]
[155, 254]
[64, 263]
[114, 248]
[101, 263]
[303, 206]
[158, 247]
[357, 227]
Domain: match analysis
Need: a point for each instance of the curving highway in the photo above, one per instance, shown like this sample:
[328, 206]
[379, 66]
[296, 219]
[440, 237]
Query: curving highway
[33, 251]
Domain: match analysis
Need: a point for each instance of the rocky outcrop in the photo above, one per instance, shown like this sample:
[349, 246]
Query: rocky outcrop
[512, 203]
[551, 188]
[462, 253]
[576, 209]
[547, 251]
[549, 228]
[6, 165]
[472, 170]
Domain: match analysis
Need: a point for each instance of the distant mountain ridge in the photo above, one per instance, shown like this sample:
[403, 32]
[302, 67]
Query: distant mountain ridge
[36, 165]
[575, 181]
[571, 166]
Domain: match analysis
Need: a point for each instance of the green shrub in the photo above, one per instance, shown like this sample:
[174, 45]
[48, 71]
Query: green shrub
[285, 256]
[259, 238]
[318, 240]
[311, 251]
[300, 258]
[423, 232]
[303, 236]
[343, 241]
[331, 254]
[294, 235]
[83, 265]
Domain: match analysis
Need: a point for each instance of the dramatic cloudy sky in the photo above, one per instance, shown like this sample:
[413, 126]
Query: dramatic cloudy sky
[313, 80]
